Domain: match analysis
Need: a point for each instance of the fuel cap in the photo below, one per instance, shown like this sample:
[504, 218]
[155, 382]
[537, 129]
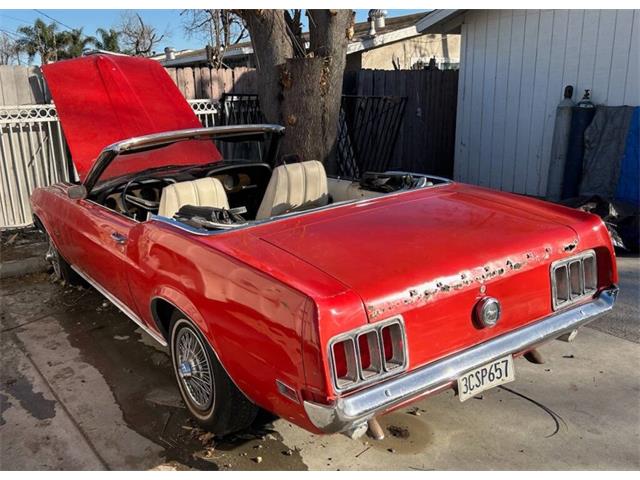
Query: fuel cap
[487, 311]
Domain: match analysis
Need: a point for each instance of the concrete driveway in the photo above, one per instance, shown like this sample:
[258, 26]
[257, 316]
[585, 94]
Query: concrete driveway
[82, 388]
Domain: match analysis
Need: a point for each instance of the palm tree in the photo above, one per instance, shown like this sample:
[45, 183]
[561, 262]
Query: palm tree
[74, 42]
[109, 40]
[40, 39]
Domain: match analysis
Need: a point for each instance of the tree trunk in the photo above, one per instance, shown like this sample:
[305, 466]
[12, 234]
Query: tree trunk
[301, 88]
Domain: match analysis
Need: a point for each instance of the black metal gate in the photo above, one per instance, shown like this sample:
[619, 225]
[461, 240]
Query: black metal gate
[367, 130]
[367, 133]
[239, 109]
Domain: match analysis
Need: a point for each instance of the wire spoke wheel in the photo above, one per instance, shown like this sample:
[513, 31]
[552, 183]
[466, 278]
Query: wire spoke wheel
[194, 369]
[208, 392]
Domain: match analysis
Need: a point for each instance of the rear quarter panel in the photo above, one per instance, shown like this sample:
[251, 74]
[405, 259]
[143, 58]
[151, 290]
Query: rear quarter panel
[261, 327]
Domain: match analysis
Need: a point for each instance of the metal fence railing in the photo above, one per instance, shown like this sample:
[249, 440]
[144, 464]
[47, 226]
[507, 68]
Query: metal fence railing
[240, 109]
[33, 153]
[206, 111]
[367, 133]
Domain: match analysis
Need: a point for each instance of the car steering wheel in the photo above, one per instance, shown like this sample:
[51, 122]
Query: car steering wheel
[125, 202]
[129, 200]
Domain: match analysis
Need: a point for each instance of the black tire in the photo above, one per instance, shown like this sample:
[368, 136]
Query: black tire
[61, 268]
[228, 410]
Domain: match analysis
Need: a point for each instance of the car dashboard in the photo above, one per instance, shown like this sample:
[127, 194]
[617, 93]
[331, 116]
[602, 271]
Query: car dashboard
[139, 196]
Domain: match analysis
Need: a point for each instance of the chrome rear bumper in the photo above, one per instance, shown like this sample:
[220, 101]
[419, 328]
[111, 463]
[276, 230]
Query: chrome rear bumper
[351, 411]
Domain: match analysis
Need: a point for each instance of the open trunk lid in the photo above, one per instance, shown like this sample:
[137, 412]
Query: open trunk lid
[103, 99]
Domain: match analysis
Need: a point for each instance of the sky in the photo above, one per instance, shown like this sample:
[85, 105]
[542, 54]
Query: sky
[168, 21]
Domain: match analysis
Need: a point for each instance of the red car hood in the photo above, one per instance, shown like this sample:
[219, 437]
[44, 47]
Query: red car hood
[423, 242]
[103, 99]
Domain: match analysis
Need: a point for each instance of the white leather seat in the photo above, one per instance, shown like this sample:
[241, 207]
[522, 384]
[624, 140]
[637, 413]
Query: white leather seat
[298, 186]
[204, 192]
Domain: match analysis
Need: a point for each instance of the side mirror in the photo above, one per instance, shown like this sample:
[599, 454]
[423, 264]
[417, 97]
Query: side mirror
[77, 192]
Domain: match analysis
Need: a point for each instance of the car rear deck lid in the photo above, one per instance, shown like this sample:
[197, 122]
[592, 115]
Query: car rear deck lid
[103, 99]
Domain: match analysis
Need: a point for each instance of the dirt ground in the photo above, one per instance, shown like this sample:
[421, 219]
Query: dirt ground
[81, 387]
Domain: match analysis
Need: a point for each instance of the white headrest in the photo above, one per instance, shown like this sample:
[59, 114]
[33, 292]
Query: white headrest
[298, 186]
[204, 192]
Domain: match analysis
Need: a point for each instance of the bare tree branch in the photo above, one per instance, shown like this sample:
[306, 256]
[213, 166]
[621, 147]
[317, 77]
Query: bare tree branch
[218, 28]
[139, 38]
[294, 30]
[9, 50]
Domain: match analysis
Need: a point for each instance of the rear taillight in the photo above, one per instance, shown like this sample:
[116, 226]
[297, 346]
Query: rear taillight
[393, 342]
[573, 279]
[344, 359]
[368, 354]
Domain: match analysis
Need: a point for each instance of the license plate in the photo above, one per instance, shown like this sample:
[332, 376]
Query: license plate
[485, 377]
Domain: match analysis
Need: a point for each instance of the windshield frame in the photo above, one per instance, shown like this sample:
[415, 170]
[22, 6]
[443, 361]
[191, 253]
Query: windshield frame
[158, 140]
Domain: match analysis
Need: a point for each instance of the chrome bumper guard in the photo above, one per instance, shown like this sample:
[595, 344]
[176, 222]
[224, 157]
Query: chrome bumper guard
[353, 410]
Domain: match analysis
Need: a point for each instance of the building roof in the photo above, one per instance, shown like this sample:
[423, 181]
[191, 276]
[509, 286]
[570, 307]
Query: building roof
[441, 21]
[395, 29]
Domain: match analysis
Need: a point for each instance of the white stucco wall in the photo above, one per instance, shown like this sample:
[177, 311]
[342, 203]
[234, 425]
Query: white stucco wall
[445, 48]
[513, 69]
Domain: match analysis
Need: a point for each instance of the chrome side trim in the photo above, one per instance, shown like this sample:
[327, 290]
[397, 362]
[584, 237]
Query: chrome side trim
[184, 226]
[352, 410]
[121, 306]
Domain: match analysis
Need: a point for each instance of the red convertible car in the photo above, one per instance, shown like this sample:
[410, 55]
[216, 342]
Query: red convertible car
[324, 300]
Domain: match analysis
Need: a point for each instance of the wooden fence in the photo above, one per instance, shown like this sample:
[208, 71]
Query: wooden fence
[21, 85]
[211, 84]
[426, 136]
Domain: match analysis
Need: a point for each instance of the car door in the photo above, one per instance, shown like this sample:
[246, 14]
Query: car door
[97, 242]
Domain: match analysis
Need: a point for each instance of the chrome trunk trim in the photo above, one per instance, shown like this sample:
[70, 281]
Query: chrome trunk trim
[351, 410]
